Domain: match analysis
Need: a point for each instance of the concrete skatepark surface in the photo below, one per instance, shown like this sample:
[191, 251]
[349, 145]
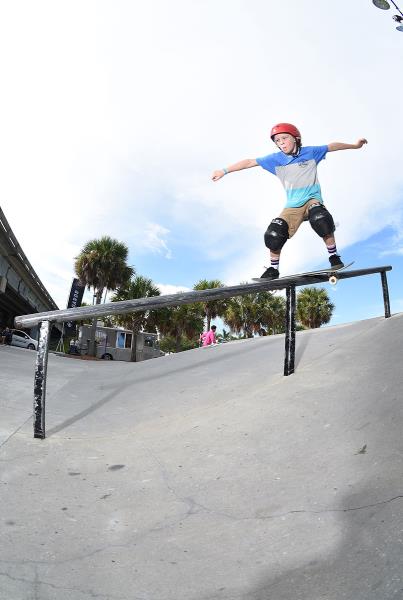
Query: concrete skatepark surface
[208, 475]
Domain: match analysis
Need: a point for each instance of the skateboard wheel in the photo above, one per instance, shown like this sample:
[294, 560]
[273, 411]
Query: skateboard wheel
[333, 279]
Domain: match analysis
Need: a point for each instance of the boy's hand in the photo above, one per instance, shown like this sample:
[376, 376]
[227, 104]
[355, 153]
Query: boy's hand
[247, 163]
[341, 146]
[217, 175]
[361, 142]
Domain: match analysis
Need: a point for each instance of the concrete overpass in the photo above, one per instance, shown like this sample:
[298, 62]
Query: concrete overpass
[21, 290]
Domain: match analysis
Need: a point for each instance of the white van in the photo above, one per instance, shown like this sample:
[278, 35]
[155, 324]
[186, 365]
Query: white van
[116, 344]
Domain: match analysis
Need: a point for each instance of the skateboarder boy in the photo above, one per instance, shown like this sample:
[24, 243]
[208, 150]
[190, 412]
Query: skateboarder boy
[296, 167]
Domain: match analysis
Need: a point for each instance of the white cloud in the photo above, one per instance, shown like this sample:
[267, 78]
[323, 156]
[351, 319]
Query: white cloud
[117, 113]
[171, 289]
[154, 239]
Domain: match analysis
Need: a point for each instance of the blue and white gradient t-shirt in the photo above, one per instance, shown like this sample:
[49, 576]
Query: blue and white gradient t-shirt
[298, 174]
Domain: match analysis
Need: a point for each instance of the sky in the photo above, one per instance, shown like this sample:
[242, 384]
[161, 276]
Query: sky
[115, 114]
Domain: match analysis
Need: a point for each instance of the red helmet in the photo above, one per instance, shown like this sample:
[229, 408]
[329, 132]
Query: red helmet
[285, 128]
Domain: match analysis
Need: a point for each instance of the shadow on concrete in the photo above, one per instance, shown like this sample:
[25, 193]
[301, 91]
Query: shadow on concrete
[301, 345]
[369, 545]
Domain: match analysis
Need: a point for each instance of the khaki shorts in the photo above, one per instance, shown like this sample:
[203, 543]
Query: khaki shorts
[295, 216]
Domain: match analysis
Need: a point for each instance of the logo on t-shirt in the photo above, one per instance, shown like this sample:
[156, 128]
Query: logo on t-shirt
[303, 164]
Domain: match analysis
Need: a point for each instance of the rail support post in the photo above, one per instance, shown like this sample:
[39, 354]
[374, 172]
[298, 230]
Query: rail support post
[385, 294]
[40, 379]
[289, 359]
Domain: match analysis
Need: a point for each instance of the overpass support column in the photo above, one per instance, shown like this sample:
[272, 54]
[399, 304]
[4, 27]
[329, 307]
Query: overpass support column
[289, 359]
[41, 368]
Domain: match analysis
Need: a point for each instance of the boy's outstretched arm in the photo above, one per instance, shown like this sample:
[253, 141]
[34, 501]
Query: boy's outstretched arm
[247, 163]
[340, 146]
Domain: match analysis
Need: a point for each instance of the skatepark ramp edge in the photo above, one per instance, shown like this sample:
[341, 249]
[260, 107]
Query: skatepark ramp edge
[47, 319]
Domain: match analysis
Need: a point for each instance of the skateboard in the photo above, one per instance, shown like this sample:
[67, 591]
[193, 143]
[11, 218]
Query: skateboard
[331, 272]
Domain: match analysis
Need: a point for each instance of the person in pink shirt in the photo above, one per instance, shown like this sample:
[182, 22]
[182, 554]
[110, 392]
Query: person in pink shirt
[209, 337]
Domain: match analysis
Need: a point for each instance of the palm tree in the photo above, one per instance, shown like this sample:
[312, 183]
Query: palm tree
[212, 308]
[272, 312]
[102, 265]
[241, 315]
[225, 336]
[314, 307]
[181, 321]
[256, 313]
[138, 287]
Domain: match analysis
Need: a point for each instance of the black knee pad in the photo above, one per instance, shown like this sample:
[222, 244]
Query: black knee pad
[321, 220]
[276, 234]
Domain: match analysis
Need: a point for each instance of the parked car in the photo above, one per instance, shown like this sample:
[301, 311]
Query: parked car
[23, 340]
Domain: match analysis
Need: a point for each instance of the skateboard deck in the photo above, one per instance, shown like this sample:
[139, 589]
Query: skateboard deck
[329, 271]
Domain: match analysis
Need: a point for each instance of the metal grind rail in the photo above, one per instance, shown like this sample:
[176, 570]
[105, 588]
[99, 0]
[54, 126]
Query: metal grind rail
[47, 319]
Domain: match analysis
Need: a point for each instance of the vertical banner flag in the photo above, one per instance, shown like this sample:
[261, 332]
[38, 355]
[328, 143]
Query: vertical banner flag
[75, 299]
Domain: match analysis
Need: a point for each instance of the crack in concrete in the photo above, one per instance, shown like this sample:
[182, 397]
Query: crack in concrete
[339, 510]
[304, 511]
[36, 583]
[191, 503]
[13, 433]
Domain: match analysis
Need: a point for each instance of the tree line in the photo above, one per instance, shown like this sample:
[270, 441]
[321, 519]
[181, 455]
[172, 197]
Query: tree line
[102, 266]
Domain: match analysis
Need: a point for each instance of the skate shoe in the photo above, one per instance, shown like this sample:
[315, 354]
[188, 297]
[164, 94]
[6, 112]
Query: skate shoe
[335, 261]
[270, 273]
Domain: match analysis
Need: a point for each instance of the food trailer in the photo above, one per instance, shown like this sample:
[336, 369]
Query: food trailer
[116, 344]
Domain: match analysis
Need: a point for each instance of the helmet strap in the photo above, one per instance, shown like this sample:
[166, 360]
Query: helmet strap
[297, 147]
